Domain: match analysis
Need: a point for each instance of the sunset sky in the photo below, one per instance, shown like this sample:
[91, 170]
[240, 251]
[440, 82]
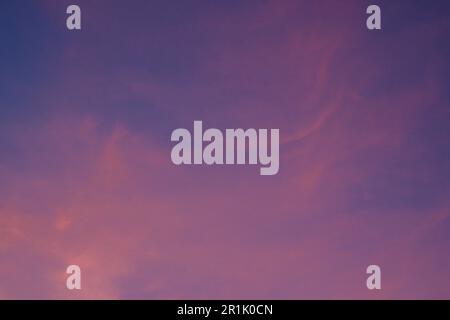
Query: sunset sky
[86, 176]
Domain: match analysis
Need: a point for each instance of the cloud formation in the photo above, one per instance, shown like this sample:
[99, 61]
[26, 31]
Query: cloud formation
[86, 176]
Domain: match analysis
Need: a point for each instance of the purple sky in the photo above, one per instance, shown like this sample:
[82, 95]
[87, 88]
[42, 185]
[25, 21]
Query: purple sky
[85, 170]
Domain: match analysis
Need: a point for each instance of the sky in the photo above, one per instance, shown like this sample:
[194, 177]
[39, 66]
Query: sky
[86, 176]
